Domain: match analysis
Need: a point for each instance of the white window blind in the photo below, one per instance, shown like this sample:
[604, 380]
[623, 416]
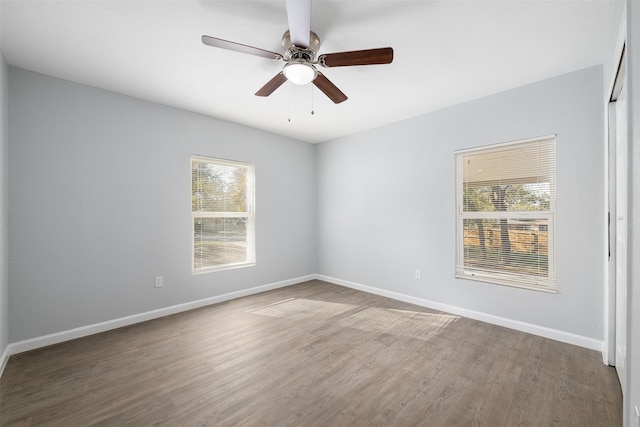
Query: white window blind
[222, 205]
[506, 202]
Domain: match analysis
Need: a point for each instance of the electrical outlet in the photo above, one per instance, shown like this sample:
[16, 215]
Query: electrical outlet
[418, 273]
[158, 282]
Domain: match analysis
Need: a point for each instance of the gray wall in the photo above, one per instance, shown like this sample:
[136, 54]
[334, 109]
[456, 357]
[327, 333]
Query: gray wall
[4, 280]
[99, 190]
[386, 202]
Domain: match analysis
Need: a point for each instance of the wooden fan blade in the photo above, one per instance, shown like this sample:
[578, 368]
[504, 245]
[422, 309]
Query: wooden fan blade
[299, 18]
[272, 85]
[329, 89]
[357, 57]
[238, 47]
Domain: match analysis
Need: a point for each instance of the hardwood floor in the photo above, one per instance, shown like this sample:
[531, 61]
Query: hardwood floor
[312, 354]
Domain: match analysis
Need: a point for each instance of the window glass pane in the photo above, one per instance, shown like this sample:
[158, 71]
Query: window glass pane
[219, 241]
[506, 198]
[512, 178]
[507, 245]
[218, 188]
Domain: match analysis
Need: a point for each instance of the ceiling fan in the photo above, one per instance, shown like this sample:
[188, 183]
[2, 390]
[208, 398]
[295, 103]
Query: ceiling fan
[300, 54]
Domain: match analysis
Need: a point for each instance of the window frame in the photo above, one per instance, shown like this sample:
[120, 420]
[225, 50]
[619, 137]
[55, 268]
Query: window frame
[522, 280]
[250, 259]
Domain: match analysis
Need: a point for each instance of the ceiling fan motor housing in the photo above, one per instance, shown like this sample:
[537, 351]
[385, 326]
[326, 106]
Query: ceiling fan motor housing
[300, 53]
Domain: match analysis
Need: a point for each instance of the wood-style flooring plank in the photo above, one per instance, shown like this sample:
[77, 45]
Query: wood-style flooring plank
[312, 354]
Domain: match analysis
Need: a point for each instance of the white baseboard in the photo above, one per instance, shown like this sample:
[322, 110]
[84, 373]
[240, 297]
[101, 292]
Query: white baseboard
[83, 331]
[58, 337]
[542, 331]
[4, 358]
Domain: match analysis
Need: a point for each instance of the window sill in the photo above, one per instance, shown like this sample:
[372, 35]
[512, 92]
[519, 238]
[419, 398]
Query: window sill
[504, 281]
[222, 268]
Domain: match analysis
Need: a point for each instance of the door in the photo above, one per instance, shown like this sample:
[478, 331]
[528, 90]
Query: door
[621, 192]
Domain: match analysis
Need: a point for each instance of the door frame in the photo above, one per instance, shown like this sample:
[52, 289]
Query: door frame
[608, 348]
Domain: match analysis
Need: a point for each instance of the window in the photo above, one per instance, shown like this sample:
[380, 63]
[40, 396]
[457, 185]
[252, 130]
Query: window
[506, 202]
[222, 206]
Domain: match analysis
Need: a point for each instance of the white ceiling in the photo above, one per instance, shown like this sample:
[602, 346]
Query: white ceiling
[446, 52]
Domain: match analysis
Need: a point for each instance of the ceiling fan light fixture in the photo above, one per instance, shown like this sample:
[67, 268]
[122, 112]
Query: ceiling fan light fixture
[300, 73]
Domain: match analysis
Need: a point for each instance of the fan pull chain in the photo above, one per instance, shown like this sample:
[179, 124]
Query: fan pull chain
[312, 111]
[289, 114]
